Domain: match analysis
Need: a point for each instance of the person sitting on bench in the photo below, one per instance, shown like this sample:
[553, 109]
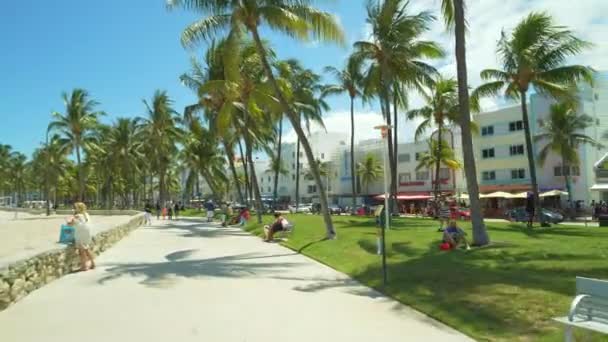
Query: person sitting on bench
[279, 224]
[455, 236]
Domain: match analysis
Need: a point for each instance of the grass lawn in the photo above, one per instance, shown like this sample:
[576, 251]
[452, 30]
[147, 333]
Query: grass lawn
[508, 291]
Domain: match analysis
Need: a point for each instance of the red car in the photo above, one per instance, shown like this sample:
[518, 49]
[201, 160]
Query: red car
[461, 213]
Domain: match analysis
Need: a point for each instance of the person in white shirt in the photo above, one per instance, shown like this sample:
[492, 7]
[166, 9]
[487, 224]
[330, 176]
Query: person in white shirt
[279, 224]
[82, 235]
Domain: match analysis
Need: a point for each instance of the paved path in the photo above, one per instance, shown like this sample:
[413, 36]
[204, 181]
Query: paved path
[190, 282]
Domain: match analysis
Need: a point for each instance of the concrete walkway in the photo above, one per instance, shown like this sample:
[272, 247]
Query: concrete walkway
[191, 282]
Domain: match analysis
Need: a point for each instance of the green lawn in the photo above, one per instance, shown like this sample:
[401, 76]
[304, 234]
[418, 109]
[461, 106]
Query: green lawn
[508, 291]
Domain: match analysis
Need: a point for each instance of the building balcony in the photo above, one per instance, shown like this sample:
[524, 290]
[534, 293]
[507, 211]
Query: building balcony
[505, 182]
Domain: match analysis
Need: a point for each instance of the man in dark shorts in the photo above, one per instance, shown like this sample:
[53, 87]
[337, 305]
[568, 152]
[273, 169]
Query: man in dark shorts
[530, 209]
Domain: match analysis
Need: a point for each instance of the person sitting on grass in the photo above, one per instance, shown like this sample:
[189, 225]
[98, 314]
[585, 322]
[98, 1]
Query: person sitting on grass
[279, 224]
[244, 216]
[455, 236]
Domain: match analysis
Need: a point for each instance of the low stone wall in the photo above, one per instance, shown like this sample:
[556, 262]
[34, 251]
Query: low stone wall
[69, 211]
[22, 277]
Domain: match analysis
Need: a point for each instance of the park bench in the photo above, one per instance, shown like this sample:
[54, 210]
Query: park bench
[589, 309]
[287, 231]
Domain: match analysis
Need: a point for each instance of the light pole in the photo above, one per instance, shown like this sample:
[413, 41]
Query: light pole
[46, 176]
[384, 132]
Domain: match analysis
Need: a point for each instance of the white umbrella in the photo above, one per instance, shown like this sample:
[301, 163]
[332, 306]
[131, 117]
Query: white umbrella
[553, 193]
[519, 195]
[497, 194]
[463, 196]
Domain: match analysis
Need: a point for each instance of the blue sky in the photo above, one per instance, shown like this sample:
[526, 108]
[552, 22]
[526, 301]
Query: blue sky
[121, 51]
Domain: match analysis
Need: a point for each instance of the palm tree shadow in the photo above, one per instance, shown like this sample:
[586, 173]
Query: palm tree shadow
[311, 244]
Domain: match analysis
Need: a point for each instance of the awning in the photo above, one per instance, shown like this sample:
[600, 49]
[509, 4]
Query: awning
[407, 197]
[599, 187]
[553, 193]
[519, 195]
[497, 194]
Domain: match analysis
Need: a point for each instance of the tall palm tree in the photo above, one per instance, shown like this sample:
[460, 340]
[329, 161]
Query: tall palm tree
[438, 154]
[295, 18]
[77, 127]
[441, 110]
[160, 131]
[5, 156]
[50, 161]
[17, 172]
[563, 133]
[533, 55]
[369, 170]
[126, 147]
[454, 17]
[349, 80]
[395, 56]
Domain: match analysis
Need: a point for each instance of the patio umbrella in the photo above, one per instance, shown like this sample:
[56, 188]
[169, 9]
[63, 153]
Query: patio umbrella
[553, 193]
[519, 195]
[497, 194]
[463, 196]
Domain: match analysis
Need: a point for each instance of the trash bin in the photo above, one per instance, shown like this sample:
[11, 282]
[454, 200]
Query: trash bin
[603, 218]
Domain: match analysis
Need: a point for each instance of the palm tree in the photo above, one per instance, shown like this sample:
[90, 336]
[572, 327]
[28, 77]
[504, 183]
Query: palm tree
[277, 168]
[438, 154]
[126, 147]
[369, 170]
[295, 18]
[77, 127]
[349, 81]
[395, 57]
[454, 18]
[533, 55]
[441, 110]
[5, 156]
[17, 168]
[160, 131]
[563, 133]
[50, 162]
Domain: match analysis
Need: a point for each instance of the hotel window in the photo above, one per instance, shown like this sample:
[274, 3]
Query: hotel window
[269, 179]
[488, 175]
[293, 177]
[444, 173]
[576, 171]
[293, 166]
[404, 158]
[518, 174]
[405, 177]
[322, 155]
[516, 150]
[422, 176]
[557, 171]
[487, 130]
[516, 126]
[419, 155]
[293, 154]
[487, 153]
[312, 189]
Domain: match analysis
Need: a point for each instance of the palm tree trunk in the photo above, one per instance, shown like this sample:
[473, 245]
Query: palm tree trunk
[278, 166]
[230, 155]
[297, 173]
[391, 160]
[530, 155]
[480, 235]
[568, 189]
[294, 119]
[247, 181]
[395, 151]
[80, 175]
[161, 185]
[436, 186]
[254, 182]
[352, 151]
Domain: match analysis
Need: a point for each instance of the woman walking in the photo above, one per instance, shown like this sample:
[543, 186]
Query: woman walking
[82, 235]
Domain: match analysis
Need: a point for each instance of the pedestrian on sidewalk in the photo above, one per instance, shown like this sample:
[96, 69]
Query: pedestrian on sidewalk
[82, 235]
[148, 214]
[170, 211]
[157, 210]
[176, 210]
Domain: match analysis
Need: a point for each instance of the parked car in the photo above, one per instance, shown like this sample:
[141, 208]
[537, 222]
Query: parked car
[335, 209]
[463, 213]
[302, 208]
[520, 215]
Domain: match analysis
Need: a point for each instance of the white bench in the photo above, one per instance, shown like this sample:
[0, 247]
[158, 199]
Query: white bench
[589, 309]
[287, 231]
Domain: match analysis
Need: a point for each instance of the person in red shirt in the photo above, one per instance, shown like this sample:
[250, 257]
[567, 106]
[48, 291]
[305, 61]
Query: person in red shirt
[244, 216]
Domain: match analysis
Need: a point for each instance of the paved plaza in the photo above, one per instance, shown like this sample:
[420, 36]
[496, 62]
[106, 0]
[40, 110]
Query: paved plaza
[188, 281]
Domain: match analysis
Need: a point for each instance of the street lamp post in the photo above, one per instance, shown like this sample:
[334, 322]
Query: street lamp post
[46, 176]
[384, 132]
